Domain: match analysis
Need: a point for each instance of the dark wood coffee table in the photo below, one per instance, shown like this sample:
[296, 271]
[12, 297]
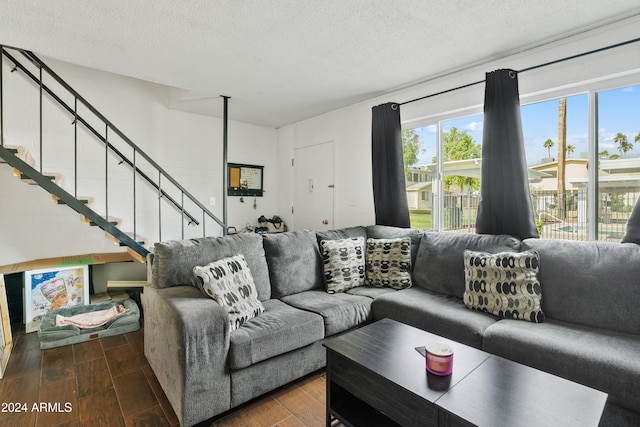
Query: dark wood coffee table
[376, 377]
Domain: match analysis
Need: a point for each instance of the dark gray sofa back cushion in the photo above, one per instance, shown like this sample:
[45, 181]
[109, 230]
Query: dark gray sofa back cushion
[439, 265]
[590, 283]
[173, 261]
[294, 262]
[387, 232]
[342, 233]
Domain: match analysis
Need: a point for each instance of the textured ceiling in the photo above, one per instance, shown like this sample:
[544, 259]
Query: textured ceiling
[287, 60]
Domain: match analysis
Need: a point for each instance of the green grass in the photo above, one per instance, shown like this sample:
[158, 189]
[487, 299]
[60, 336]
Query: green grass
[420, 219]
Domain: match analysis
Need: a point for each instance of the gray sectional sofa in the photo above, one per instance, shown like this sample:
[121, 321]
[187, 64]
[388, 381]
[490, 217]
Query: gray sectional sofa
[590, 292]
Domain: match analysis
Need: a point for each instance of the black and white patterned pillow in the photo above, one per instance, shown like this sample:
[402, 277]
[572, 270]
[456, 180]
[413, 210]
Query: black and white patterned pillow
[388, 263]
[230, 283]
[504, 284]
[343, 263]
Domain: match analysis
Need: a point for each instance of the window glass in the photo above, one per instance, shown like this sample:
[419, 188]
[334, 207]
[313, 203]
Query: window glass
[419, 146]
[557, 150]
[461, 155]
[619, 159]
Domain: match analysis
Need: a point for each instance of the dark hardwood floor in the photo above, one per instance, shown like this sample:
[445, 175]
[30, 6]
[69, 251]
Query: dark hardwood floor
[108, 382]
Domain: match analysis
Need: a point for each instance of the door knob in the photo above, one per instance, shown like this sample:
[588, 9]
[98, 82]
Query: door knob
[325, 221]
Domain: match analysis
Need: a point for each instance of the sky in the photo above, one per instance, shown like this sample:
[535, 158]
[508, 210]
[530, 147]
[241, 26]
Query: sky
[618, 111]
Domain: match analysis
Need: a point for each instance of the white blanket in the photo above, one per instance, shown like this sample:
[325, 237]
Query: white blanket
[92, 319]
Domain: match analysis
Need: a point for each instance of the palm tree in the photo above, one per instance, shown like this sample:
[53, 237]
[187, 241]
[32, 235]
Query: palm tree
[623, 144]
[570, 149]
[562, 155]
[604, 154]
[548, 144]
[627, 147]
[637, 138]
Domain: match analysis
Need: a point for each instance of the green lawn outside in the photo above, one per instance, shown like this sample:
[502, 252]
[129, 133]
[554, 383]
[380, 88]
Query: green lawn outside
[420, 219]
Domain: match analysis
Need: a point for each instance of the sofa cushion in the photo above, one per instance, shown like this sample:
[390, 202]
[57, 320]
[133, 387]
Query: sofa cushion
[388, 263]
[265, 377]
[340, 311]
[590, 283]
[280, 329]
[294, 262]
[439, 265]
[343, 263]
[504, 284]
[173, 261]
[229, 282]
[440, 314]
[600, 358]
[341, 233]
[388, 232]
[369, 291]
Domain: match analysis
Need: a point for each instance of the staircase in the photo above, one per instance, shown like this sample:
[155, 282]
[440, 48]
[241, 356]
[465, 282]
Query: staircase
[141, 167]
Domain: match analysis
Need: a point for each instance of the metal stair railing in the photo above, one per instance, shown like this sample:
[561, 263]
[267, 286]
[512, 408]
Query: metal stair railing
[156, 184]
[77, 205]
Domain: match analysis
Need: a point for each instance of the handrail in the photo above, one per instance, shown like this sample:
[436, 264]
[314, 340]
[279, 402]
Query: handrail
[98, 135]
[79, 118]
[41, 65]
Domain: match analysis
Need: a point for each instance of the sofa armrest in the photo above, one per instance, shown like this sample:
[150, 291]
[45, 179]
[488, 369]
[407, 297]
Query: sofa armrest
[186, 341]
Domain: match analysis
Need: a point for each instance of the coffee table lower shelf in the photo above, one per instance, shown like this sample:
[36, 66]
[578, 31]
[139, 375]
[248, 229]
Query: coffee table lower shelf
[352, 411]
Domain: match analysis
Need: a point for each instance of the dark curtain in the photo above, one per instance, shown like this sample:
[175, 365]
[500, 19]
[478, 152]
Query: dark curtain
[632, 234]
[505, 200]
[389, 187]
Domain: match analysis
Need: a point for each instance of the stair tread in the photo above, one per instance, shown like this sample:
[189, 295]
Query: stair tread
[22, 153]
[57, 178]
[141, 240]
[88, 201]
[111, 219]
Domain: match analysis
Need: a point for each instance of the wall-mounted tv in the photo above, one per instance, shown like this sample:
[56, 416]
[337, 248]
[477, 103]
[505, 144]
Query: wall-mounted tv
[244, 180]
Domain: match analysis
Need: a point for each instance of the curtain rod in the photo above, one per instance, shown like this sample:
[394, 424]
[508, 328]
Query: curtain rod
[567, 58]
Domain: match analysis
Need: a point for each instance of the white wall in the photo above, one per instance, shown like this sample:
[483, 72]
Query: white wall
[350, 130]
[350, 127]
[188, 146]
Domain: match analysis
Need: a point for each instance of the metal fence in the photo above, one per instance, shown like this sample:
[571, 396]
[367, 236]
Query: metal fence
[564, 215]
[557, 215]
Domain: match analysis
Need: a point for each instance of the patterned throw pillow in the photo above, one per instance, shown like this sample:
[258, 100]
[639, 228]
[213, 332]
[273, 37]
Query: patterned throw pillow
[389, 263]
[230, 283]
[504, 284]
[343, 263]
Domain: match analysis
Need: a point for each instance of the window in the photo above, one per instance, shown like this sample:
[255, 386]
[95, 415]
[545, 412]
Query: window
[560, 177]
[461, 152]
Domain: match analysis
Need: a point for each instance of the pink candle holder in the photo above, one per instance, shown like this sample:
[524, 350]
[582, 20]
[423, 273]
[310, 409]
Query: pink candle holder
[439, 358]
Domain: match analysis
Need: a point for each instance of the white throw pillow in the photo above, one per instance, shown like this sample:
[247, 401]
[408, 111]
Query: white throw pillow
[389, 263]
[343, 263]
[230, 283]
[504, 284]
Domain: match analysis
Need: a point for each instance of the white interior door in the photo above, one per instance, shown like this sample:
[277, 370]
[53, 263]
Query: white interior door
[313, 187]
